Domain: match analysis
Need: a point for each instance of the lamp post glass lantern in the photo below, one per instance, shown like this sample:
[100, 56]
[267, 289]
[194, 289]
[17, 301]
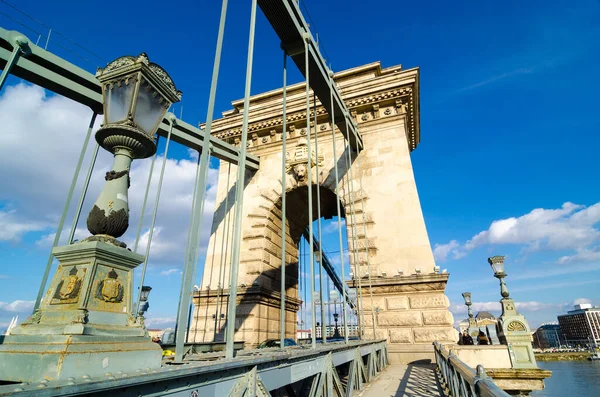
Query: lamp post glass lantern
[497, 264]
[144, 305]
[467, 297]
[136, 94]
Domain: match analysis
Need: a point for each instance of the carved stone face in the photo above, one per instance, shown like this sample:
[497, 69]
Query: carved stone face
[300, 172]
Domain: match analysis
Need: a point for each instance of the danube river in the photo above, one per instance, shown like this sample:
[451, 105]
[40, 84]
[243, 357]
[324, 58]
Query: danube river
[571, 378]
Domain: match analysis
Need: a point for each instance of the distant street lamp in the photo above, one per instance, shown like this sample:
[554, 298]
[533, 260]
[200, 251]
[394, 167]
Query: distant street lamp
[497, 263]
[136, 94]
[513, 329]
[472, 321]
[336, 331]
[144, 305]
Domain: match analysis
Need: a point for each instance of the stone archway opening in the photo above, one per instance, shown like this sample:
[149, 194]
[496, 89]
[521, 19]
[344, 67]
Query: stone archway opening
[259, 285]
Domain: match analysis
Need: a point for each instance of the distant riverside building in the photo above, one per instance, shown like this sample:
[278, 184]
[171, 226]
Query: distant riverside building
[581, 326]
[330, 329]
[547, 336]
[155, 333]
[305, 333]
[482, 319]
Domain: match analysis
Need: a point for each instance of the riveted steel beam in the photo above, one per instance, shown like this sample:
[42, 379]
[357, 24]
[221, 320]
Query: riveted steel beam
[273, 369]
[53, 73]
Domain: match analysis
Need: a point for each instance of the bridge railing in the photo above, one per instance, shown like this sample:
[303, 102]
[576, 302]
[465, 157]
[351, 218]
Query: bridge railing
[460, 380]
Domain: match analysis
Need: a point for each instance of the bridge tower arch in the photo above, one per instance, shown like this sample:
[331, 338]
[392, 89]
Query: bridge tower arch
[408, 289]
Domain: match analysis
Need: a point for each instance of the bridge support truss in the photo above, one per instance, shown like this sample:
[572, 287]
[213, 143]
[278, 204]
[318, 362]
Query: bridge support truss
[332, 370]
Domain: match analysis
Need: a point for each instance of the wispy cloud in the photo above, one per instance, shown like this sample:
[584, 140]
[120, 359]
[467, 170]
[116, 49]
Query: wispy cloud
[168, 272]
[496, 78]
[570, 227]
[531, 306]
[18, 306]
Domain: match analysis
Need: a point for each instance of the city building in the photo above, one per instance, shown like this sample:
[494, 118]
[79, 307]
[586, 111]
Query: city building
[482, 319]
[547, 336]
[330, 329]
[581, 327]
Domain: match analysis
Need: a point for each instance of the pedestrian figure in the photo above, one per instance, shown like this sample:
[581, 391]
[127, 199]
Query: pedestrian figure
[467, 339]
[482, 339]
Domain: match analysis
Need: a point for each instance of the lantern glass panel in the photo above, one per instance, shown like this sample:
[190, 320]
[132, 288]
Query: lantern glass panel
[467, 296]
[145, 292]
[498, 267]
[118, 100]
[149, 111]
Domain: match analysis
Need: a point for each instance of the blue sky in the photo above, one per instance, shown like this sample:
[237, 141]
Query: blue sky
[506, 164]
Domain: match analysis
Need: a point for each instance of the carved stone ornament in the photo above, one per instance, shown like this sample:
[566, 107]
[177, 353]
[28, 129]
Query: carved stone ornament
[298, 165]
[115, 224]
[110, 289]
[112, 175]
[364, 117]
[323, 127]
[303, 131]
[129, 64]
[516, 326]
[67, 290]
[265, 139]
[387, 111]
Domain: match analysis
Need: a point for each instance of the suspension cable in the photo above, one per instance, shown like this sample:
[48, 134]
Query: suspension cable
[339, 215]
[350, 179]
[223, 259]
[364, 218]
[63, 216]
[171, 118]
[320, 261]
[310, 207]
[145, 202]
[283, 208]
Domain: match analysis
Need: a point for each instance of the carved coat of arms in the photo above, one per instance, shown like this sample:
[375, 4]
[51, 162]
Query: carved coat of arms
[297, 165]
[110, 289]
[67, 290]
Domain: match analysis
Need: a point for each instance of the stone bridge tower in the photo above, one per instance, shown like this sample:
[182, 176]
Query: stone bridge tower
[413, 310]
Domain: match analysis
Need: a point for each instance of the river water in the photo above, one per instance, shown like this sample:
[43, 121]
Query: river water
[571, 378]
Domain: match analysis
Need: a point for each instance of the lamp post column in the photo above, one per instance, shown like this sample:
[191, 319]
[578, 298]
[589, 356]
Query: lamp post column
[513, 329]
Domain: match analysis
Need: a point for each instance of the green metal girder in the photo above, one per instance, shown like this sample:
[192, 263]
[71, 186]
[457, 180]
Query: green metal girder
[53, 73]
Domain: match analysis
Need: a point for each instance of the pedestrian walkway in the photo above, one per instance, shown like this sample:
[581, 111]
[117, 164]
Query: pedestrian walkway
[400, 380]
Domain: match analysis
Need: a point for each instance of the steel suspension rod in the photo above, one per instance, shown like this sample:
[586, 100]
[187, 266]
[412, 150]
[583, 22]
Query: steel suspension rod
[239, 193]
[171, 117]
[283, 207]
[63, 217]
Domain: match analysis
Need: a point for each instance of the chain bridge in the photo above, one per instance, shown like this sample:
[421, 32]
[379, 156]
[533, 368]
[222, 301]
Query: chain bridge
[335, 146]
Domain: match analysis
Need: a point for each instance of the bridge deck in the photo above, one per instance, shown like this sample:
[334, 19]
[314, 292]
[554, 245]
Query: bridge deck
[398, 380]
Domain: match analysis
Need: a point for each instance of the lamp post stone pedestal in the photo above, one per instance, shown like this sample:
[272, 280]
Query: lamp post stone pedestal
[513, 329]
[86, 325]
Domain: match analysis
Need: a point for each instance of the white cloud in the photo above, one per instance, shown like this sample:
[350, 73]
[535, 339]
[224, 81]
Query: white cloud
[332, 226]
[334, 258]
[532, 306]
[580, 301]
[40, 143]
[162, 322]
[168, 272]
[441, 251]
[12, 228]
[571, 227]
[17, 306]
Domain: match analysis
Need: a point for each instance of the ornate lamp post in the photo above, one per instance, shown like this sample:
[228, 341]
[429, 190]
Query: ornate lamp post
[472, 321]
[86, 313]
[512, 327]
[336, 331]
[136, 94]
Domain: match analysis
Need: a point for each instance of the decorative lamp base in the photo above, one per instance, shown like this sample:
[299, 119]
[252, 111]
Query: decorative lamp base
[83, 327]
